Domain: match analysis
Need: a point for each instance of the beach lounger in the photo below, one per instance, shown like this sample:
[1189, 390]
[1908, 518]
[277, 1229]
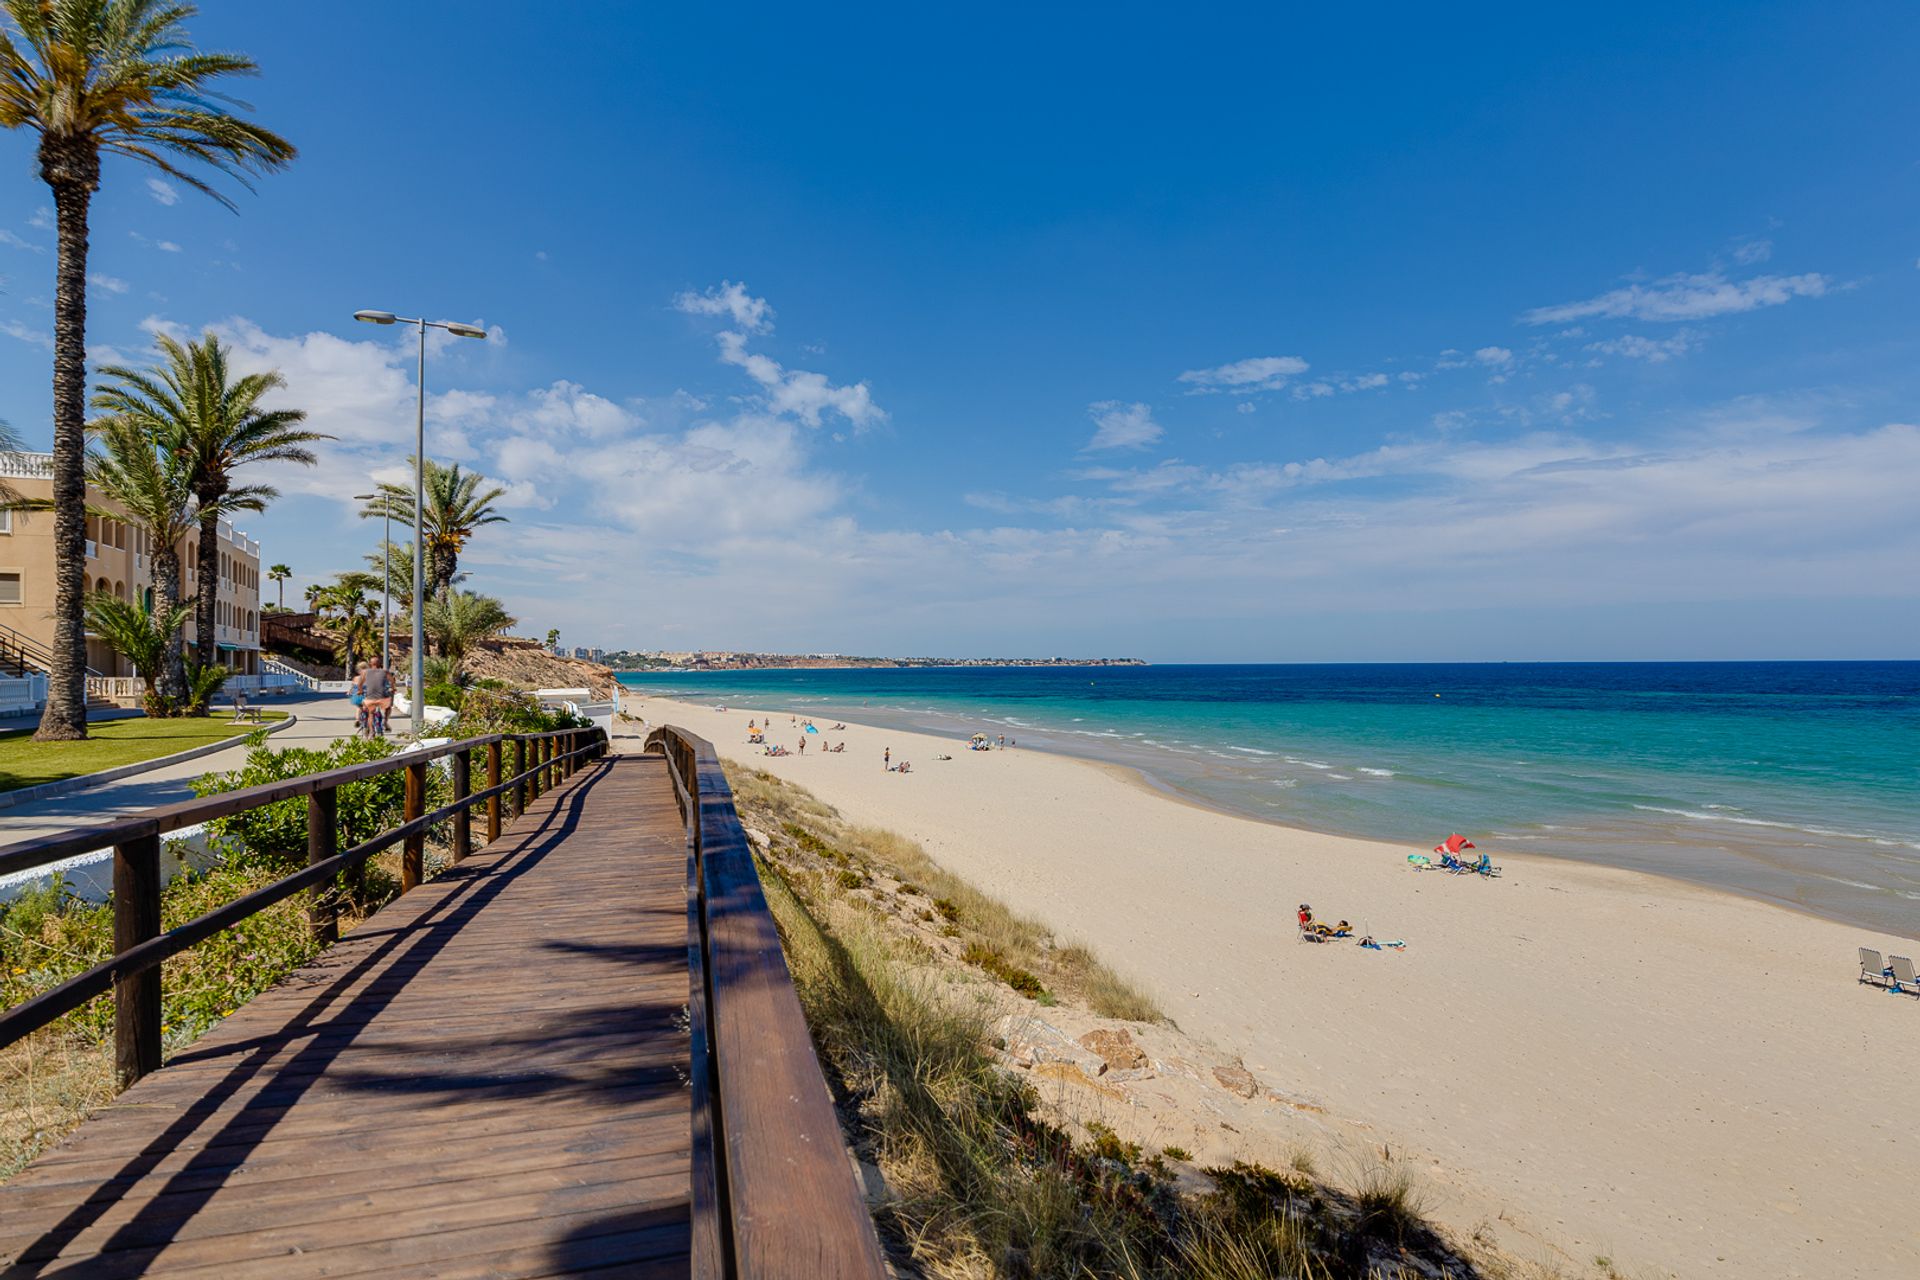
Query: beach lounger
[1872, 969]
[1904, 980]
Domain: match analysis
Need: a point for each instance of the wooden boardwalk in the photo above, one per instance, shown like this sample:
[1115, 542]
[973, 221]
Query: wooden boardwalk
[485, 1079]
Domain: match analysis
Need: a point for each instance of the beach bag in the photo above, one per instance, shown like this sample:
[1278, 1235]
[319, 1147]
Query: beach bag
[357, 700]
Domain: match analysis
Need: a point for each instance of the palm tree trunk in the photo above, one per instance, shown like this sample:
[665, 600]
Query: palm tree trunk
[207, 583]
[71, 166]
[166, 594]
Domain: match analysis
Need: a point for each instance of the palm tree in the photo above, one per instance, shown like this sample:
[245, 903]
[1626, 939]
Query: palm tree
[156, 492]
[396, 563]
[112, 77]
[458, 620]
[215, 422]
[359, 632]
[453, 506]
[147, 640]
[279, 573]
[553, 639]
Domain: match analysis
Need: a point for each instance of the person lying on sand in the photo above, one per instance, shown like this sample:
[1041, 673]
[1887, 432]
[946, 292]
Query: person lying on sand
[1394, 945]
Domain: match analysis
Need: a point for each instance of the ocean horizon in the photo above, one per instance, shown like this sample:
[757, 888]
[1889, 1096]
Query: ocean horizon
[1797, 782]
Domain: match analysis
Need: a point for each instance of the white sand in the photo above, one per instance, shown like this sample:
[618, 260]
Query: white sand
[1666, 1075]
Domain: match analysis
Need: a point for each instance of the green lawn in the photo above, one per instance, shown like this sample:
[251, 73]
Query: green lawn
[110, 744]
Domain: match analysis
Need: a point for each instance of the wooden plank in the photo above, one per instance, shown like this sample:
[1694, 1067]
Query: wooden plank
[788, 1192]
[487, 1079]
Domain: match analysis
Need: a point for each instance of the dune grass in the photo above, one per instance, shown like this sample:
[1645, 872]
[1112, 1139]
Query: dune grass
[110, 744]
[1020, 951]
[980, 1183]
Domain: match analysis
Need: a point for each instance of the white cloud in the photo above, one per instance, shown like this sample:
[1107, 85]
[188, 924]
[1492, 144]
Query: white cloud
[1652, 350]
[748, 313]
[1686, 297]
[1261, 373]
[13, 241]
[162, 191]
[14, 329]
[42, 219]
[1494, 357]
[1122, 426]
[1748, 252]
[797, 393]
[109, 284]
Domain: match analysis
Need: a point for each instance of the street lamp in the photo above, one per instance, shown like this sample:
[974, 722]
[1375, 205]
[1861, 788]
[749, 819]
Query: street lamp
[386, 578]
[417, 684]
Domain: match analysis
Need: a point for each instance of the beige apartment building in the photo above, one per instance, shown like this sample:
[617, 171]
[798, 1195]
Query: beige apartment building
[118, 562]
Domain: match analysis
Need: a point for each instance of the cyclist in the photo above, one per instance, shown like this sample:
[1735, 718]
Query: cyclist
[376, 685]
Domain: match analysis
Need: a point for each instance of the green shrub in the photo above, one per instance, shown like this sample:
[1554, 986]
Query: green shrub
[849, 879]
[445, 695]
[996, 964]
[276, 834]
[484, 711]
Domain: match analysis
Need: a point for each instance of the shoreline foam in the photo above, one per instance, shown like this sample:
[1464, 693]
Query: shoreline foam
[1635, 1066]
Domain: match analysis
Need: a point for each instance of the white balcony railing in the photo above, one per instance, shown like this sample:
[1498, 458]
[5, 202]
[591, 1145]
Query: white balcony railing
[27, 466]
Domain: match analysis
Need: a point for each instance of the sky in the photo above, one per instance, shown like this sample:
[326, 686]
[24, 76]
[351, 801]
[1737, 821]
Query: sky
[1217, 333]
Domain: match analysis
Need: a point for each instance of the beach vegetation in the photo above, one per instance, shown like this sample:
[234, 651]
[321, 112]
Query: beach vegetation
[1020, 946]
[108, 78]
[980, 1182]
[1175, 1153]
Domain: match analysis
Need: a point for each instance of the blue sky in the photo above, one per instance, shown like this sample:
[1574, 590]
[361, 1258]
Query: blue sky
[1218, 334]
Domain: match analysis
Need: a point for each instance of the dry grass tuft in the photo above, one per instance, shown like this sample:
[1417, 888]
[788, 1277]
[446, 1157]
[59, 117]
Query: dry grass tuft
[1017, 950]
[979, 1185]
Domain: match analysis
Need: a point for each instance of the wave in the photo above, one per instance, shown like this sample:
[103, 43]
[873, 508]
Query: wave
[1253, 751]
[1311, 764]
[1698, 816]
[1376, 773]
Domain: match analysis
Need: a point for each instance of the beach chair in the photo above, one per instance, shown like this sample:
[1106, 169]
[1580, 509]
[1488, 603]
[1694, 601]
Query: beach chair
[1904, 980]
[1872, 970]
[1485, 867]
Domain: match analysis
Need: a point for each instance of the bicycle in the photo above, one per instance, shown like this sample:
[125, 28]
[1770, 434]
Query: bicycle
[373, 722]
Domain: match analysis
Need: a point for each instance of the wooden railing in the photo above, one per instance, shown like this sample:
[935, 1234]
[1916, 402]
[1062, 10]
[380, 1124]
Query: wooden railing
[539, 762]
[774, 1195]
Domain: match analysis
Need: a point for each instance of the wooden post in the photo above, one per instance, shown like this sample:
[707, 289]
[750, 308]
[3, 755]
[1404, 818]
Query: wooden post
[323, 841]
[519, 767]
[493, 801]
[136, 919]
[566, 746]
[463, 818]
[413, 858]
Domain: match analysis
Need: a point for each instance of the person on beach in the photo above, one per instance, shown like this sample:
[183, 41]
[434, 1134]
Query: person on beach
[886, 758]
[803, 746]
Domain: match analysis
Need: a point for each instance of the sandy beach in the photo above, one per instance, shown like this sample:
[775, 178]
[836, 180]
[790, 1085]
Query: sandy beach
[1677, 1079]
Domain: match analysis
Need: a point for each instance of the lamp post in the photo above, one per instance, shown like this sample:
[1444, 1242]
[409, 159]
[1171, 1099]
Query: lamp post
[386, 578]
[417, 682]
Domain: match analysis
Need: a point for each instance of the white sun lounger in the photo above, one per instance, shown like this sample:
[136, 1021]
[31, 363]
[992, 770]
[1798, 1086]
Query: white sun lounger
[1903, 975]
[1872, 968]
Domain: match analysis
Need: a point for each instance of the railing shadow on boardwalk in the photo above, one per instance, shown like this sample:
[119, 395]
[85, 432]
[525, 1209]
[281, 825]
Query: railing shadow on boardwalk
[329, 1024]
[587, 1063]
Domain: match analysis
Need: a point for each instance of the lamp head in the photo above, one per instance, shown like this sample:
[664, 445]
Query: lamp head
[374, 317]
[465, 331]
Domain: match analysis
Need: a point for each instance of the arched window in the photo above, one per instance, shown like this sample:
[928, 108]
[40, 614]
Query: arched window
[120, 591]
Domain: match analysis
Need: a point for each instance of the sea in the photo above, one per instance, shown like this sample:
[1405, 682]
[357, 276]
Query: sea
[1796, 782]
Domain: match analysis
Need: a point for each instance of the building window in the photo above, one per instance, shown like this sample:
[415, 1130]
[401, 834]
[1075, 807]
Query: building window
[9, 588]
[6, 522]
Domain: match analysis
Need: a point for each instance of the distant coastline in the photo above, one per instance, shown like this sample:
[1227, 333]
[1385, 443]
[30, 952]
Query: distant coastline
[644, 663]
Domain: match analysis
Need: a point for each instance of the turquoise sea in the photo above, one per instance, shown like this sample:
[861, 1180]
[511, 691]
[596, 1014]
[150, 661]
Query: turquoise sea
[1794, 781]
